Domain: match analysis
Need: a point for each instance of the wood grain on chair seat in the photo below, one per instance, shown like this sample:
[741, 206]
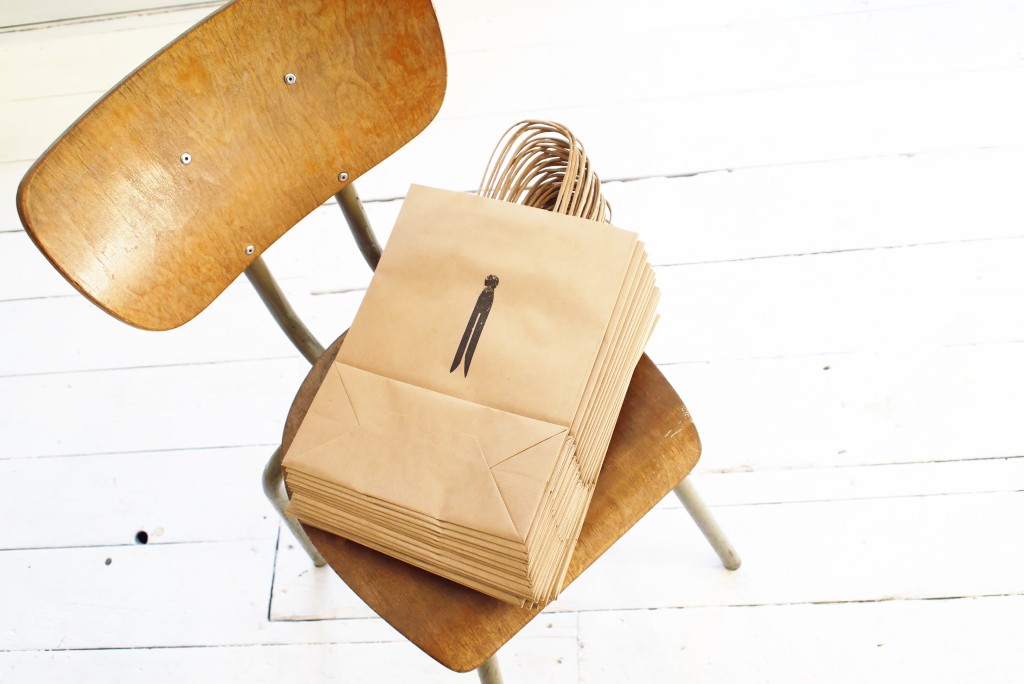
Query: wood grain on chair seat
[655, 445]
[271, 102]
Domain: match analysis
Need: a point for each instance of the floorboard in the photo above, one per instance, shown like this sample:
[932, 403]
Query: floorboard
[925, 405]
[841, 302]
[174, 497]
[947, 641]
[542, 659]
[842, 483]
[30, 13]
[149, 409]
[920, 547]
[828, 552]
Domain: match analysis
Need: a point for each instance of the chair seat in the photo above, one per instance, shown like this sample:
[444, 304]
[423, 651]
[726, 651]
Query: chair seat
[655, 445]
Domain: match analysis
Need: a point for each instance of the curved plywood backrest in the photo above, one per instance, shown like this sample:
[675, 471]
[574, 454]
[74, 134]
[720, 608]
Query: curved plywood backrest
[158, 197]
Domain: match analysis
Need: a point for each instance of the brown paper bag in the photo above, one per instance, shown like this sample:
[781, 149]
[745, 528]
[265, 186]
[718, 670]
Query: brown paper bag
[464, 420]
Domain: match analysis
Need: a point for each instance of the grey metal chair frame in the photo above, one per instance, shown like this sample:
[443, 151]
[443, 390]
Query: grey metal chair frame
[307, 344]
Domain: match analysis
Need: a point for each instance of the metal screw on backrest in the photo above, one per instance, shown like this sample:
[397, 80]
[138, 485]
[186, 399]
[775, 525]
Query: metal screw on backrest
[186, 158]
[290, 79]
[343, 176]
[250, 250]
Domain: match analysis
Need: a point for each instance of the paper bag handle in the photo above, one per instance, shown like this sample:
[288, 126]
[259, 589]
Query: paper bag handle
[542, 164]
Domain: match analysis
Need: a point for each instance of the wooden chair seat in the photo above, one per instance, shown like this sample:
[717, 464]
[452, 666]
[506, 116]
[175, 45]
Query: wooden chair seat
[655, 445]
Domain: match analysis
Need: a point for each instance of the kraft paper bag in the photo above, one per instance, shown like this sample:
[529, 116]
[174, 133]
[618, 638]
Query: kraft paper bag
[462, 426]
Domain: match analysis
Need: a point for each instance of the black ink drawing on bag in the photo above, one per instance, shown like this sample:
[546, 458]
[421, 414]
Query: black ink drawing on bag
[475, 326]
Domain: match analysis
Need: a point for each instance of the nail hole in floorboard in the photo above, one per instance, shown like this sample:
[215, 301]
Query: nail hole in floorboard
[141, 537]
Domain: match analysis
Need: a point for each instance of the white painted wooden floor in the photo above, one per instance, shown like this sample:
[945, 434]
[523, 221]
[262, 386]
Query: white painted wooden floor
[832, 192]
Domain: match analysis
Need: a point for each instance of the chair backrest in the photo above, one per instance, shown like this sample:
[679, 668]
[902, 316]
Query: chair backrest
[160, 195]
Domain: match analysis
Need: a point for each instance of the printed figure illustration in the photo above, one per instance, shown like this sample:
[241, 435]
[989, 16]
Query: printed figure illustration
[475, 326]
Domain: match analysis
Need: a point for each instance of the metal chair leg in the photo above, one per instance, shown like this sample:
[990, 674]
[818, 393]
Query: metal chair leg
[489, 672]
[698, 510]
[274, 299]
[359, 224]
[272, 481]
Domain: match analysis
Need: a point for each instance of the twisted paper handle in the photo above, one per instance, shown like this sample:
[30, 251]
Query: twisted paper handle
[541, 164]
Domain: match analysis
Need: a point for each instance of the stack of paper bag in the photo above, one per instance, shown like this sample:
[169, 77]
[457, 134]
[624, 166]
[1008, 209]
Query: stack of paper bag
[463, 424]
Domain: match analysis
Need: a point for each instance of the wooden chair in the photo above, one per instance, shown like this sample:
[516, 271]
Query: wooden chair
[180, 177]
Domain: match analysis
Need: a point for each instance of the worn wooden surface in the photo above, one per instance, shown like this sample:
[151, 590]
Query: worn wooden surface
[655, 445]
[153, 236]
